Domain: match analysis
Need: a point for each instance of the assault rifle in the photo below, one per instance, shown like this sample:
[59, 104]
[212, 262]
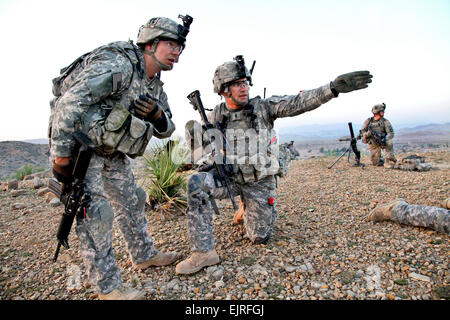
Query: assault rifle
[381, 141]
[220, 166]
[73, 195]
[352, 147]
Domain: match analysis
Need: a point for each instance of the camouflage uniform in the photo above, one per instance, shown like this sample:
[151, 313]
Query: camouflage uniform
[92, 98]
[384, 129]
[256, 184]
[295, 155]
[284, 159]
[422, 216]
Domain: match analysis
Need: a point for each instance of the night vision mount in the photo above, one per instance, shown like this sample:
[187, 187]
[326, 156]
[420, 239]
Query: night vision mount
[183, 30]
[241, 63]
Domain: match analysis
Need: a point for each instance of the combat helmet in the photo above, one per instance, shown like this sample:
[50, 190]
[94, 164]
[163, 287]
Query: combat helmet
[378, 107]
[163, 28]
[229, 72]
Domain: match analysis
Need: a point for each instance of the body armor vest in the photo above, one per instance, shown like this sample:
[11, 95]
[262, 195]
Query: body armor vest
[252, 146]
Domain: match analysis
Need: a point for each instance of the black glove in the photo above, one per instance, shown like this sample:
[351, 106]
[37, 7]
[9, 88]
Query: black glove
[352, 81]
[146, 108]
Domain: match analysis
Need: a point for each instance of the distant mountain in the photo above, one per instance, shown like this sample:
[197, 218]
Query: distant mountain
[37, 141]
[432, 127]
[16, 154]
[332, 131]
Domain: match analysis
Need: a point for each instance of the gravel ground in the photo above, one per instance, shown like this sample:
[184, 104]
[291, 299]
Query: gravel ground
[321, 248]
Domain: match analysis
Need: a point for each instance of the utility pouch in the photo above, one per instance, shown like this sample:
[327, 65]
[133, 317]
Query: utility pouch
[126, 133]
[115, 126]
[133, 143]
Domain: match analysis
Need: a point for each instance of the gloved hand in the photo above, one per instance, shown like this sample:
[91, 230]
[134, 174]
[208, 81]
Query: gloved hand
[147, 108]
[352, 81]
[62, 168]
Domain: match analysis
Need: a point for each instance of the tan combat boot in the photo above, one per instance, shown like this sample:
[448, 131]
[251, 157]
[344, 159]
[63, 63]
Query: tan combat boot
[122, 293]
[160, 259]
[445, 203]
[389, 164]
[197, 261]
[383, 212]
[239, 214]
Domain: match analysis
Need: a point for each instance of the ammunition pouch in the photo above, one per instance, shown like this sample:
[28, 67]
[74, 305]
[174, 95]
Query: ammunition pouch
[122, 131]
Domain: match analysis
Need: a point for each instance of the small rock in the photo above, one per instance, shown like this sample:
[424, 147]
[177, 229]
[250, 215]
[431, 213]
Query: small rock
[209, 296]
[12, 185]
[55, 202]
[17, 206]
[174, 285]
[49, 196]
[290, 269]
[218, 274]
[16, 193]
[38, 183]
[43, 191]
[416, 276]
[211, 270]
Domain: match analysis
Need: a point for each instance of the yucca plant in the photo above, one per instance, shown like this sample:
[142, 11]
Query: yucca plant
[165, 186]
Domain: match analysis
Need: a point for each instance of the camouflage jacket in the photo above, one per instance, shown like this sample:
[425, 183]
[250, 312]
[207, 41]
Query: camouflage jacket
[88, 89]
[382, 127]
[259, 114]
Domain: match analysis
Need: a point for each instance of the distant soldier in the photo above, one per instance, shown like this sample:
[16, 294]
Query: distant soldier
[114, 95]
[415, 215]
[284, 159]
[377, 131]
[295, 155]
[240, 119]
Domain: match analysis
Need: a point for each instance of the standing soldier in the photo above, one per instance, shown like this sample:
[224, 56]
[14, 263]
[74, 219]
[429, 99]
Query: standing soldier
[377, 131]
[114, 95]
[415, 215]
[243, 119]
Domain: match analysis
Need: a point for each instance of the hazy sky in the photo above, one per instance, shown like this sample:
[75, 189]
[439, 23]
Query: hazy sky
[297, 45]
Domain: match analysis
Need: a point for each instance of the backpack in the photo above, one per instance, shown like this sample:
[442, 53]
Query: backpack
[120, 130]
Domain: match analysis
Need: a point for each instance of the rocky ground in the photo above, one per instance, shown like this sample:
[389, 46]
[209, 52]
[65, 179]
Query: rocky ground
[322, 246]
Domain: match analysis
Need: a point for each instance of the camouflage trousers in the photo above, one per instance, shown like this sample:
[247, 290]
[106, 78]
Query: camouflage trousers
[422, 216]
[115, 196]
[259, 215]
[375, 153]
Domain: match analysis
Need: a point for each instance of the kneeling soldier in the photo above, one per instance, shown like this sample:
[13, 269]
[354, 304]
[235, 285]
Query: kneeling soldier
[253, 163]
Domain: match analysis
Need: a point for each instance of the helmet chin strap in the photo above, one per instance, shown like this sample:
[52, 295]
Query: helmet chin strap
[151, 53]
